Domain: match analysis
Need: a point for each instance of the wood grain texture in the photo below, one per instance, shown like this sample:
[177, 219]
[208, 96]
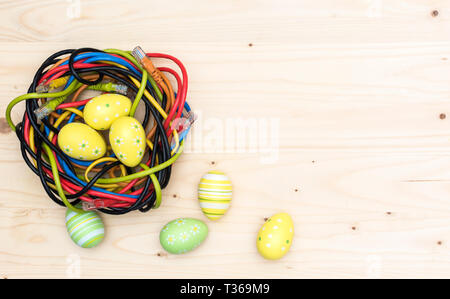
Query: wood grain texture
[358, 88]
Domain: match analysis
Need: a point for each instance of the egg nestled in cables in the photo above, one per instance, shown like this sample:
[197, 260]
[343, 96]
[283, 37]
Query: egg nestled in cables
[127, 139]
[101, 111]
[81, 142]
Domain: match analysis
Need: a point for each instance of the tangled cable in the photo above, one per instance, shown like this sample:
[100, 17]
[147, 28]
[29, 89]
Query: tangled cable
[57, 86]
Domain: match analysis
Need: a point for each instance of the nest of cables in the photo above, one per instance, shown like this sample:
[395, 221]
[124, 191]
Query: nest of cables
[57, 97]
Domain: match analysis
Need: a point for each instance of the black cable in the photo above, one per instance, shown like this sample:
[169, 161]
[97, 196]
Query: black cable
[74, 71]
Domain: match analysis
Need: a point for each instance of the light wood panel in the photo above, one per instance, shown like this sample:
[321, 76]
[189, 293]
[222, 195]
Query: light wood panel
[363, 162]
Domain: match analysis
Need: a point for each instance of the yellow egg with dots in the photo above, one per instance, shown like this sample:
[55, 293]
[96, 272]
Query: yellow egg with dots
[127, 139]
[81, 142]
[100, 112]
[275, 236]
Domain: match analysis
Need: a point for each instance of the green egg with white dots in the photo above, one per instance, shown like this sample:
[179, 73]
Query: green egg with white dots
[183, 235]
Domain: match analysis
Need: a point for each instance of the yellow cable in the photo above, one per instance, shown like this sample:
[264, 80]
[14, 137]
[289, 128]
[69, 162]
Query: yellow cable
[58, 82]
[58, 122]
[74, 110]
[151, 99]
[93, 164]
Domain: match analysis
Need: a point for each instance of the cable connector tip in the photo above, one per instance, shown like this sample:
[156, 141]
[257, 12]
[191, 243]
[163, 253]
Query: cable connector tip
[138, 53]
[121, 89]
[42, 112]
[41, 88]
[48, 107]
[95, 204]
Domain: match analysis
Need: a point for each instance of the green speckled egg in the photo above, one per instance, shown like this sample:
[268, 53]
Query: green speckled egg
[182, 235]
[86, 229]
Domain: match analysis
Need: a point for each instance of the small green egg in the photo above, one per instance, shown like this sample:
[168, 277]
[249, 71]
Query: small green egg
[183, 235]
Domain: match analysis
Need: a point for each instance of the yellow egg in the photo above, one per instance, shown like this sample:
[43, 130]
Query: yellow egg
[214, 194]
[127, 139]
[275, 236]
[103, 110]
[81, 142]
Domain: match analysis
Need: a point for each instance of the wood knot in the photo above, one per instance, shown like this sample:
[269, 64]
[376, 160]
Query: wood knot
[434, 13]
[161, 254]
[439, 243]
[213, 162]
[4, 127]
[250, 44]
[442, 116]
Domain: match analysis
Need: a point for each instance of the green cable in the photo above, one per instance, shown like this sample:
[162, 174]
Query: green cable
[139, 94]
[145, 172]
[157, 189]
[127, 55]
[141, 90]
[74, 85]
[57, 180]
[156, 186]
[144, 80]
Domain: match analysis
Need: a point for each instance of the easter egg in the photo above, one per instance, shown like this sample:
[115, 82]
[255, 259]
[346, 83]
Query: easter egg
[103, 110]
[81, 142]
[275, 236]
[182, 235]
[127, 139]
[214, 194]
[86, 229]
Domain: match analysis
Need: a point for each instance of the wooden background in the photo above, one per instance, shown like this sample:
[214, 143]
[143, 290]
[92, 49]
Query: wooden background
[360, 90]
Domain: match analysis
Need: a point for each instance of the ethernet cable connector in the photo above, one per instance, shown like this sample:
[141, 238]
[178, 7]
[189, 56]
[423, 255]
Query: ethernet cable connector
[50, 106]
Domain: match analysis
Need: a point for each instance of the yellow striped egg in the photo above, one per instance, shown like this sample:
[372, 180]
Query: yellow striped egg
[214, 194]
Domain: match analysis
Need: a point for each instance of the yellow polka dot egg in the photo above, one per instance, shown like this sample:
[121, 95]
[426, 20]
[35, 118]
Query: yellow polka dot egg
[127, 139]
[275, 236]
[100, 112]
[214, 194]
